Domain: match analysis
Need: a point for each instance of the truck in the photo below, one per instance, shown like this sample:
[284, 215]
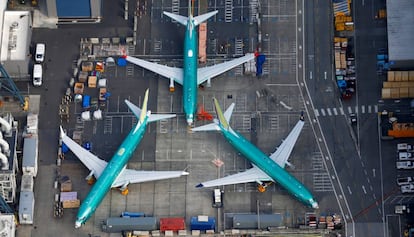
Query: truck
[217, 198]
[404, 147]
[405, 165]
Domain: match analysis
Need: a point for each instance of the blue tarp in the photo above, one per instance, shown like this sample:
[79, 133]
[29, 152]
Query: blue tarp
[122, 62]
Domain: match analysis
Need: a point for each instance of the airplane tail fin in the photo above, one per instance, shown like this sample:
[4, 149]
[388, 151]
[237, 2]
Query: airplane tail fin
[197, 20]
[223, 119]
[141, 113]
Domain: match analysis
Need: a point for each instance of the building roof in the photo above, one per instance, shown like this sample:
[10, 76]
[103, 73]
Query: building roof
[15, 35]
[400, 23]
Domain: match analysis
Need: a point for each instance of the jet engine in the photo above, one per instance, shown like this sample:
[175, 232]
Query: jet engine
[172, 88]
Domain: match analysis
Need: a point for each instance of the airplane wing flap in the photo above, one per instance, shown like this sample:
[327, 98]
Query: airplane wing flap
[281, 155]
[129, 176]
[251, 175]
[165, 71]
[91, 161]
[211, 71]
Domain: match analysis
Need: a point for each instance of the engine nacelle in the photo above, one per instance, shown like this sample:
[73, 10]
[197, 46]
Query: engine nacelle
[172, 88]
[263, 186]
[90, 178]
[124, 189]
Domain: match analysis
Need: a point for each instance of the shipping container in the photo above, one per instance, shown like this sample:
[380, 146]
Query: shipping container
[249, 221]
[202, 223]
[173, 224]
[30, 153]
[119, 224]
[32, 123]
[27, 183]
[202, 42]
[26, 207]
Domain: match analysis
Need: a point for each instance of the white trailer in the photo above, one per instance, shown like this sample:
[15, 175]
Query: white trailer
[404, 147]
[30, 154]
[26, 208]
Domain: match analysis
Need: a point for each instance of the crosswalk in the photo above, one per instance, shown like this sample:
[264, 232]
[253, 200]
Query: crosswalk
[362, 109]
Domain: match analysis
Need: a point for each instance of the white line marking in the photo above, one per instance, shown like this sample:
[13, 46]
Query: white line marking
[349, 190]
[369, 109]
[335, 112]
[363, 109]
[329, 111]
[363, 189]
[341, 111]
[316, 112]
[376, 108]
[323, 112]
[349, 110]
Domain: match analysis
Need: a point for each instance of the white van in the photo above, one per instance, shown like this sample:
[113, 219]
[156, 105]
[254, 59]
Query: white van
[40, 53]
[37, 75]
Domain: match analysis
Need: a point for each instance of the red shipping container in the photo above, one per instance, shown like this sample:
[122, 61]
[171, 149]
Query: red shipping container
[174, 224]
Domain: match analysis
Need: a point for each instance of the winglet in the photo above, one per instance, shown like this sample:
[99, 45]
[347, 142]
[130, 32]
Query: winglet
[62, 133]
[220, 115]
[144, 107]
[200, 185]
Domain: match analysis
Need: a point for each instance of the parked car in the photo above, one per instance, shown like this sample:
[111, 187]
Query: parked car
[405, 165]
[37, 75]
[405, 156]
[40, 53]
[405, 180]
[407, 188]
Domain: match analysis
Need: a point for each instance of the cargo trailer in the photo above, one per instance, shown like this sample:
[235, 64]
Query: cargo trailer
[202, 223]
[26, 207]
[172, 224]
[30, 154]
[119, 224]
[249, 221]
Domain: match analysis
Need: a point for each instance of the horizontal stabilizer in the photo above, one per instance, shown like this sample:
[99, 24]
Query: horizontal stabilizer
[178, 18]
[135, 110]
[207, 127]
[156, 117]
[201, 18]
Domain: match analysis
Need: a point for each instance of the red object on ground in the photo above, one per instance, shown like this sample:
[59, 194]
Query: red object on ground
[203, 115]
[173, 224]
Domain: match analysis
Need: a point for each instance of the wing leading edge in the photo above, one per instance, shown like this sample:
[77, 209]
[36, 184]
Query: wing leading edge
[205, 73]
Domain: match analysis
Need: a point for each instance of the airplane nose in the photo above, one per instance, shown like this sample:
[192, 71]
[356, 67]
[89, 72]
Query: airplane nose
[315, 205]
[77, 225]
[190, 122]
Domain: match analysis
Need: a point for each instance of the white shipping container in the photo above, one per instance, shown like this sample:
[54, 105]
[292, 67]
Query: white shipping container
[66, 196]
[26, 208]
[30, 154]
[32, 123]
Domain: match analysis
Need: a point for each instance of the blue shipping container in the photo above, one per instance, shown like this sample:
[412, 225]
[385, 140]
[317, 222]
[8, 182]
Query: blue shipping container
[196, 224]
[86, 102]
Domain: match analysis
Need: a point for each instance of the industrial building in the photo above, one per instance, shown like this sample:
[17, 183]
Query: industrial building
[16, 27]
[400, 34]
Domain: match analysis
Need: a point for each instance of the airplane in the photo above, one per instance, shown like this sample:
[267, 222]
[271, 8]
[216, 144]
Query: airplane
[190, 76]
[114, 173]
[266, 169]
